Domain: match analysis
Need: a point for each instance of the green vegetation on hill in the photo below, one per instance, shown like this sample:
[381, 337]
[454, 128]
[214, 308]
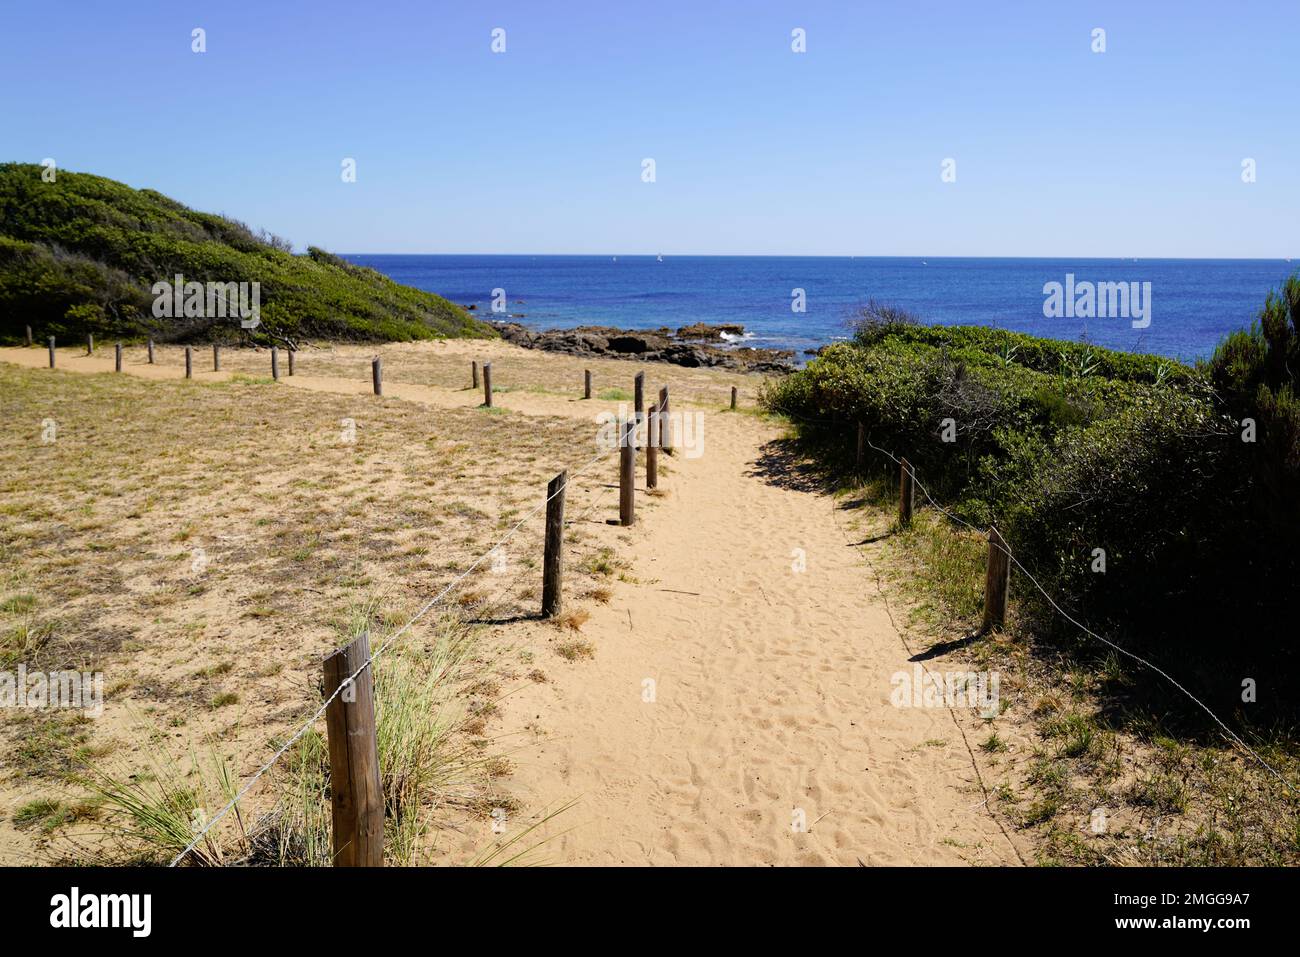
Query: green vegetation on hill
[1188, 478]
[81, 254]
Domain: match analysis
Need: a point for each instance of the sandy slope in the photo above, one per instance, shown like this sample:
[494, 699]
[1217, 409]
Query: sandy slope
[771, 687]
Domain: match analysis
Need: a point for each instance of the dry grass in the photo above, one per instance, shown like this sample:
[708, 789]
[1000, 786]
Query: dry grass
[447, 365]
[574, 649]
[572, 620]
[196, 542]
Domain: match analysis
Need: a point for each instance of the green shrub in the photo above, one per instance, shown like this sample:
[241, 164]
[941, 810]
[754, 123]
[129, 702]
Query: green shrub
[1255, 373]
[987, 346]
[1069, 448]
[903, 390]
[81, 254]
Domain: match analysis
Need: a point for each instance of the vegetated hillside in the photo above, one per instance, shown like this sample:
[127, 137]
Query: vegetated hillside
[1185, 478]
[81, 254]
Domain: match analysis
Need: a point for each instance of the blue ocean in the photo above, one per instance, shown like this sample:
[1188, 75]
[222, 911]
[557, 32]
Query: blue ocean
[1192, 303]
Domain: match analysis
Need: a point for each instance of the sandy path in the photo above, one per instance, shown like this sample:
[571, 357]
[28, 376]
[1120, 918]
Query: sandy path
[771, 687]
[771, 693]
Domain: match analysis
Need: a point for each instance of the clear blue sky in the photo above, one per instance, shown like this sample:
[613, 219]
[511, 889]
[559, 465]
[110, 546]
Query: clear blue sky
[837, 151]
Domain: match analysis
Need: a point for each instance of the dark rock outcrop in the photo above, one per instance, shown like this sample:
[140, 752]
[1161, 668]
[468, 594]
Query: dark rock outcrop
[657, 345]
[707, 333]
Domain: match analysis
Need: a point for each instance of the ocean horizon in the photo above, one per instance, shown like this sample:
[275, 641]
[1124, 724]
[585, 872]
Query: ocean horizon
[1189, 305]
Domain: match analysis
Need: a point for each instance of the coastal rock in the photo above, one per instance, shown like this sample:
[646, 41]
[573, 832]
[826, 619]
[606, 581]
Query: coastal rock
[693, 357]
[637, 343]
[658, 345]
[707, 333]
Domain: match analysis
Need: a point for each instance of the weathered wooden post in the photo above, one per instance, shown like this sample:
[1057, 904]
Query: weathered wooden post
[356, 792]
[906, 493]
[652, 447]
[553, 562]
[627, 472]
[862, 447]
[377, 374]
[189, 364]
[117, 357]
[90, 343]
[150, 352]
[292, 353]
[487, 384]
[997, 581]
[638, 400]
[216, 357]
[665, 422]
[51, 352]
[275, 363]
[29, 337]
[733, 398]
[586, 384]
[473, 374]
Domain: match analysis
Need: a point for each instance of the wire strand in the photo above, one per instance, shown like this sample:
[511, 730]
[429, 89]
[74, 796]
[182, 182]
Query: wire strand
[1232, 735]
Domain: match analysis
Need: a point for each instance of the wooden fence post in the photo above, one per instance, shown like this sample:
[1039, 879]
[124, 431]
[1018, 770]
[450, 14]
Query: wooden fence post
[292, 353]
[117, 357]
[586, 384]
[29, 337]
[189, 364]
[652, 447]
[90, 343]
[862, 447]
[665, 422]
[377, 374]
[216, 357]
[487, 384]
[51, 352]
[150, 352]
[356, 792]
[638, 400]
[733, 398]
[997, 582]
[627, 472]
[553, 561]
[906, 493]
[473, 374]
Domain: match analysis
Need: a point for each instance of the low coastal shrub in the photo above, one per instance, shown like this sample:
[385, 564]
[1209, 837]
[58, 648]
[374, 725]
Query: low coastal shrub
[81, 254]
[987, 346]
[1121, 481]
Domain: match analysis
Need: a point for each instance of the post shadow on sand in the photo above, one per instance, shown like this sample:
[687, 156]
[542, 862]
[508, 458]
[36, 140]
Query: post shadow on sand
[508, 620]
[944, 647]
